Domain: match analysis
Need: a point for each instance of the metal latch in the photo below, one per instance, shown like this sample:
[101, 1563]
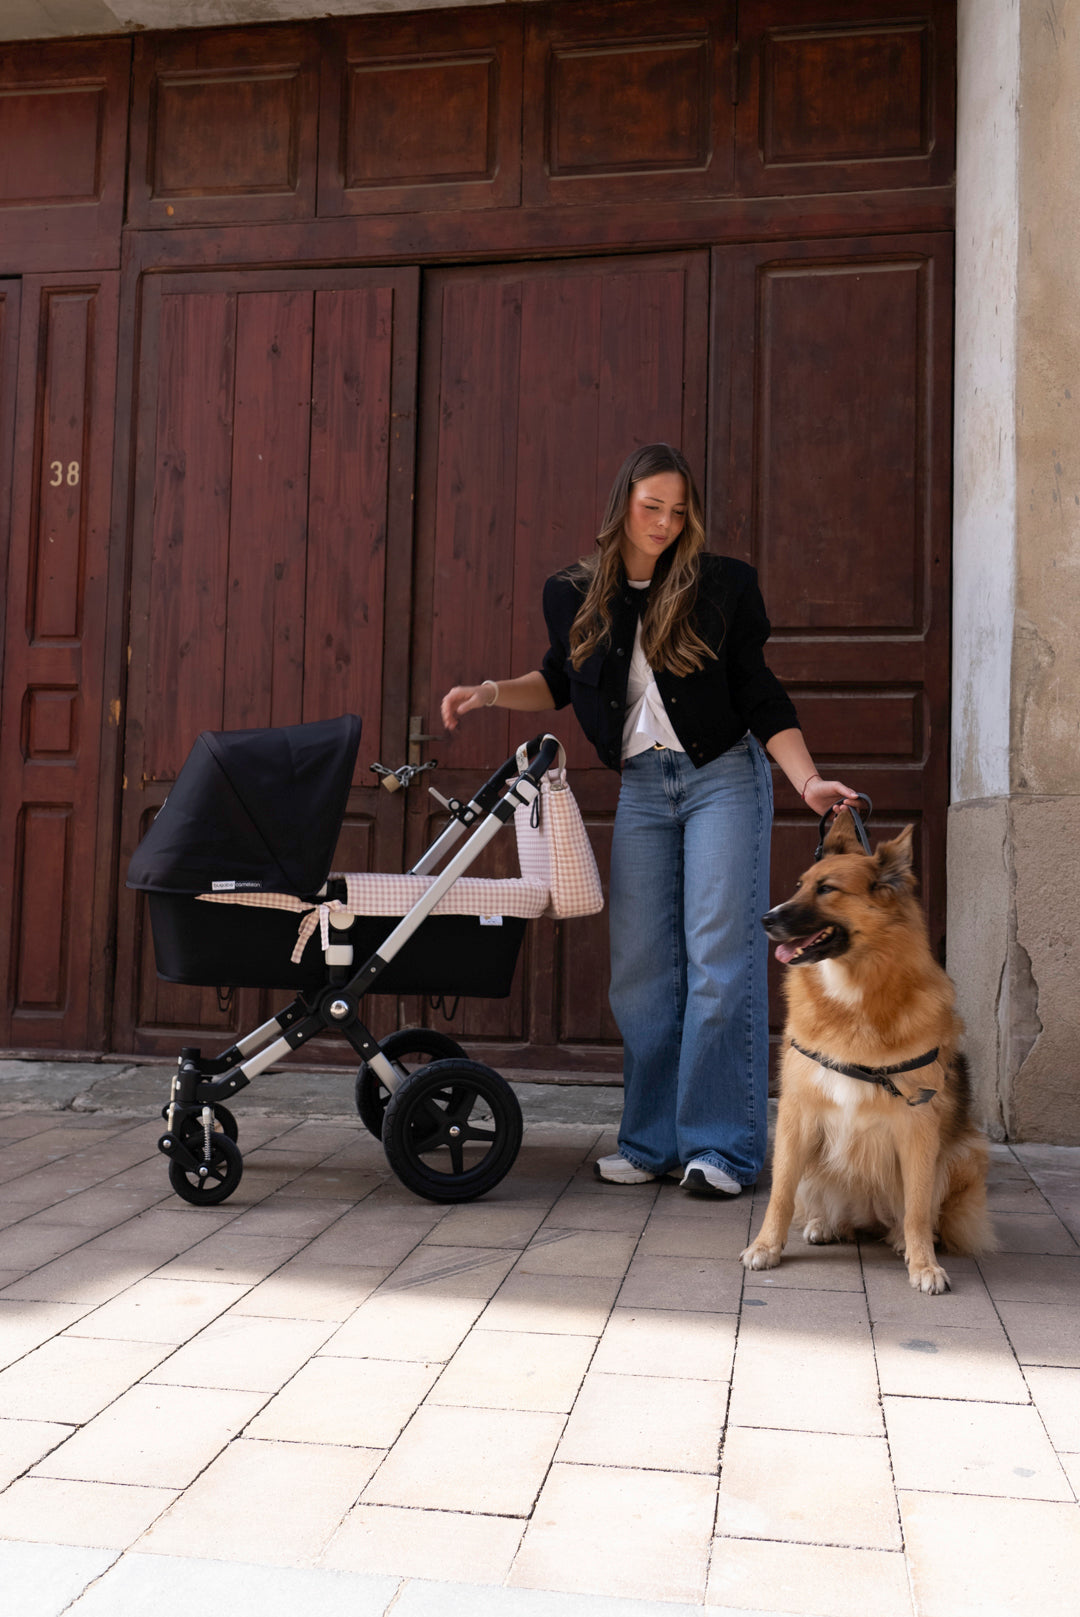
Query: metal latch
[417, 737]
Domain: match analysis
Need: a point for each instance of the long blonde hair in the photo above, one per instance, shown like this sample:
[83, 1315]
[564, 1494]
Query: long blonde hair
[668, 638]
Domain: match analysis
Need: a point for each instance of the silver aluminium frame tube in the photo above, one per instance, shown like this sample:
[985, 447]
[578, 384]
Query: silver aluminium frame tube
[526, 791]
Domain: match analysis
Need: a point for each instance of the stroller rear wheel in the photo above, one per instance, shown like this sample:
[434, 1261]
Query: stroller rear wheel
[221, 1178]
[406, 1049]
[452, 1130]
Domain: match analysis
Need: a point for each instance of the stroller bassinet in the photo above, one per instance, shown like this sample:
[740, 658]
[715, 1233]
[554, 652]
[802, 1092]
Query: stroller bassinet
[236, 868]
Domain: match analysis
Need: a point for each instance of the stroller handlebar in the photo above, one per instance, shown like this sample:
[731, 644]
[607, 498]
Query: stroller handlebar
[545, 757]
[542, 751]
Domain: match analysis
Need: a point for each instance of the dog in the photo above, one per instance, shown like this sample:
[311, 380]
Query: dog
[887, 1147]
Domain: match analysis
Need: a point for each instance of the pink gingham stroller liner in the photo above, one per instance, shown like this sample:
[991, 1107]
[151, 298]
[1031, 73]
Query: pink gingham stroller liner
[379, 893]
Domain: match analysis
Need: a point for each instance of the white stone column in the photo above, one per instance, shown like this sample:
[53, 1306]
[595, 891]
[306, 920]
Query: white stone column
[1014, 823]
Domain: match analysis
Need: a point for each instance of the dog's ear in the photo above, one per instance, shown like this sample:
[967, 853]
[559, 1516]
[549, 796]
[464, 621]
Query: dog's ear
[893, 861]
[841, 836]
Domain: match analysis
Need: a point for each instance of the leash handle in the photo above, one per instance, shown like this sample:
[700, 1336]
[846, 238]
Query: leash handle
[829, 816]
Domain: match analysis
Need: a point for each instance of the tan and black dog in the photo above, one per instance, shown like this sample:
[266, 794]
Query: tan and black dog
[874, 1132]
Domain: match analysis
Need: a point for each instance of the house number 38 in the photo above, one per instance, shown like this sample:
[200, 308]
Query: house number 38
[70, 476]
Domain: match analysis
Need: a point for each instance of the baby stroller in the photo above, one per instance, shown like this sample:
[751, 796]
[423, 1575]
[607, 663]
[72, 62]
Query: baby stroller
[241, 851]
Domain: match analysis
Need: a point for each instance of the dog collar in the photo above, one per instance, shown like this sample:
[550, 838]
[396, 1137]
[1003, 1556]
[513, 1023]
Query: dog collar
[876, 1075]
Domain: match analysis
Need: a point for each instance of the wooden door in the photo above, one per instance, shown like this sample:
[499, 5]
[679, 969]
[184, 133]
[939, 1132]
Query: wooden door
[831, 474]
[537, 381]
[271, 557]
[54, 945]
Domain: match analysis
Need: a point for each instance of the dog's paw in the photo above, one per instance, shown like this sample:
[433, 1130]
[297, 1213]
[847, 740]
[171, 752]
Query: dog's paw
[759, 1256]
[930, 1278]
[818, 1233]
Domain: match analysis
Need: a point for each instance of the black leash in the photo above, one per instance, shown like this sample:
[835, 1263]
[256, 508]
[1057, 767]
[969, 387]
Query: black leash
[876, 1075]
[860, 832]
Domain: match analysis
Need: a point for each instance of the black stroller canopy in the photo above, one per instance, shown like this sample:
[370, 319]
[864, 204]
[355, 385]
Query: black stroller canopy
[252, 811]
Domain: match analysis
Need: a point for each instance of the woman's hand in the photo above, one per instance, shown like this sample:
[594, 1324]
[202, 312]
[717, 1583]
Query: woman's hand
[528, 693]
[462, 699]
[789, 750]
[822, 795]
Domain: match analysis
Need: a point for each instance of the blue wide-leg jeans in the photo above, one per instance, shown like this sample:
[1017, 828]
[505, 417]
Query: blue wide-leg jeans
[689, 883]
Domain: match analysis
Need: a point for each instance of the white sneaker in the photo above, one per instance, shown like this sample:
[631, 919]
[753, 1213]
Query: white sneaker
[704, 1178]
[615, 1170]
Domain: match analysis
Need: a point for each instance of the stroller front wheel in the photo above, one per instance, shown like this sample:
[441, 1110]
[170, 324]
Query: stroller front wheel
[223, 1173]
[405, 1050]
[452, 1130]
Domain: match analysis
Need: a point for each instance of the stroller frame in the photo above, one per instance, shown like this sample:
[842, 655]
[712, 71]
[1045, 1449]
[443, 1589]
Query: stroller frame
[205, 1161]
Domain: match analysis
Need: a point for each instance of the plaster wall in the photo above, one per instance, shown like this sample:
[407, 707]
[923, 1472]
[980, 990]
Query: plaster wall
[1046, 648]
[1044, 1098]
[984, 469]
[1045, 707]
[980, 914]
[1015, 814]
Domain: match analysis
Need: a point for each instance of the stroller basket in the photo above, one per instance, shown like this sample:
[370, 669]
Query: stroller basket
[236, 868]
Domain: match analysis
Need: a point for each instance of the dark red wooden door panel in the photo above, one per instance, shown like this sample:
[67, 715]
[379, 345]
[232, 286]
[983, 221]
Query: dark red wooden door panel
[422, 112]
[224, 126]
[832, 475]
[628, 100]
[537, 381]
[272, 541]
[849, 97]
[52, 938]
[63, 139]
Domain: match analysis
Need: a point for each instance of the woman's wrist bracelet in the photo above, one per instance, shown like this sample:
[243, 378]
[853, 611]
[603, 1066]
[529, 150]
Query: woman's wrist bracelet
[494, 697]
[806, 782]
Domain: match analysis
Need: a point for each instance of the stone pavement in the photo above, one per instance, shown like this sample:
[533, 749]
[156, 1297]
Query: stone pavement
[567, 1400]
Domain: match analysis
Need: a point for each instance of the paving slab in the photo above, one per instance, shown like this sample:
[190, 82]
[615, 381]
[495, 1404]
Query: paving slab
[817, 1579]
[929, 1360]
[439, 1544]
[104, 1515]
[41, 1580]
[808, 1487]
[1020, 1556]
[944, 1446]
[609, 1530]
[489, 1461]
[655, 1422]
[169, 1586]
[272, 1504]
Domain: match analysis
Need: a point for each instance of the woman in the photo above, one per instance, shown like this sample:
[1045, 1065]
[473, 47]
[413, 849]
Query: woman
[659, 648]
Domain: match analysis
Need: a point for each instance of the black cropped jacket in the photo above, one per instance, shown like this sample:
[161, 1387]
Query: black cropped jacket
[709, 710]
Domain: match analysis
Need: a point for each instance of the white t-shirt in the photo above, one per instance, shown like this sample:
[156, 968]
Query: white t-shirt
[646, 716]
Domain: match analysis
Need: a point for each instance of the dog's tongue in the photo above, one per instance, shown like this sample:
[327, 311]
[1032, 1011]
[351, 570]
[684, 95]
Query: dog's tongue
[786, 952]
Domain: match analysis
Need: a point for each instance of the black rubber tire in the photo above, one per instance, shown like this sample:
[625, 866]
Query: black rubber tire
[420, 1115]
[222, 1116]
[419, 1044]
[226, 1168]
